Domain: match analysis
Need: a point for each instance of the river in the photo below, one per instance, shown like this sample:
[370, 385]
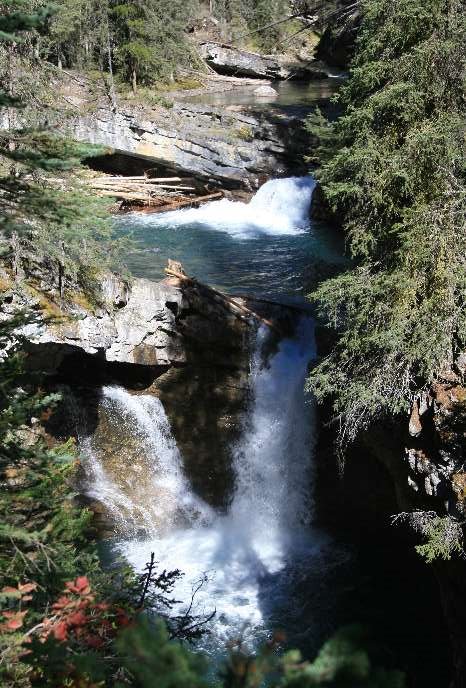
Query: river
[266, 562]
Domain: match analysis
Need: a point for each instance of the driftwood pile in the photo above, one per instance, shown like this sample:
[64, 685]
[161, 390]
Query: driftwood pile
[153, 194]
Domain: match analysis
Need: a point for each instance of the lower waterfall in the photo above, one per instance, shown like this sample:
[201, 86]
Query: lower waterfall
[264, 545]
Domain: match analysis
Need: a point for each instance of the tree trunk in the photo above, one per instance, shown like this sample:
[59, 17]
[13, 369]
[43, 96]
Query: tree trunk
[111, 90]
[134, 81]
[18, 271]
[61, 272]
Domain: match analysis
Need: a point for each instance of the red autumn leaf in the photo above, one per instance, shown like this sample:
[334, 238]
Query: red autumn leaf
[77, 619]
[63, 602]
[80, 585]
[15, 620]
[60, 631]
[94, 641]
[12, 614]
[10, 591]
[27, 587]
[123, 620]
[82, 582]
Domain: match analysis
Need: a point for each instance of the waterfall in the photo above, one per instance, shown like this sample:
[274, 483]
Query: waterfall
[280, 206]
[141, 484]
[252, 552]
[272, 462]
[264, 544]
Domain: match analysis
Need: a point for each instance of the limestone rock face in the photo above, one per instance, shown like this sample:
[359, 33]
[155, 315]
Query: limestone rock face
[205, 141]
[144, 323]
[139, 330]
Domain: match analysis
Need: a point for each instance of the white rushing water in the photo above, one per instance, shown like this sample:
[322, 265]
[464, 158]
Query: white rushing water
[260, 551]
[280, 206]
[249, 551]
[146, 487]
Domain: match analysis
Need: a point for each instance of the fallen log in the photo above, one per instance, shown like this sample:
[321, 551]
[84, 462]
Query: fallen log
[130, 196]
[143, 179]
[152, 188]
[175, 205]
[175, 269]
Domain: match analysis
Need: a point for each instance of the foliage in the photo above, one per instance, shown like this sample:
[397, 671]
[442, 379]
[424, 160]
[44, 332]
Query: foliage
[147, 652]
[54, 223]
[246, 16]
[444, 539]
[146, 38]
[245, 133]
[40, 526]
[16, 17]
[350, 659]
[442, 535]
[393, 169]
[150, 36]
[153, 592]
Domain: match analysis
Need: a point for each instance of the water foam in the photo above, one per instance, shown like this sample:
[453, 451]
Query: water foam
[145, 487]
[280, 206]
[250, 552]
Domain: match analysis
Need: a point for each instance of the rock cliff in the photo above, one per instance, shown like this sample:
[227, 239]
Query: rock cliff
[232, 146]
[141, 323]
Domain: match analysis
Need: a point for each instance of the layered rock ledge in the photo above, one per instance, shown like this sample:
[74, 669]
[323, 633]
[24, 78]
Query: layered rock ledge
[233, 146]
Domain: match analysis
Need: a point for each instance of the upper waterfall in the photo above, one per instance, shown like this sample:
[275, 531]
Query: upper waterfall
[280, 206]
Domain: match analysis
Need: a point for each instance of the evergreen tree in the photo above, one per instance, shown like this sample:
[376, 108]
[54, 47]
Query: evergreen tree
[46, 224]
[74, 33]
[393, 169]
[268, 12]
[150, 38]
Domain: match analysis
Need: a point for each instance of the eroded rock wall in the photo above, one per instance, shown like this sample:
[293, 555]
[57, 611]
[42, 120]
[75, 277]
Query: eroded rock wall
[232, 146]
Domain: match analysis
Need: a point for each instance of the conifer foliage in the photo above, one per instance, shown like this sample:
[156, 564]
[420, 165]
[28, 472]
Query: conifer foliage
[145, 38]
[393, 170]
[54, 227]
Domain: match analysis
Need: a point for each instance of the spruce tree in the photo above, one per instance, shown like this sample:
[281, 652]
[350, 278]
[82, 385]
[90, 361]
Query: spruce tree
[393, 170]
[47, 224]
[150, 38]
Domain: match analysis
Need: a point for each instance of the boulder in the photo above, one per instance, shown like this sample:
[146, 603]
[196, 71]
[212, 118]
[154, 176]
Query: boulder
[226, 59]
[265, 92]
